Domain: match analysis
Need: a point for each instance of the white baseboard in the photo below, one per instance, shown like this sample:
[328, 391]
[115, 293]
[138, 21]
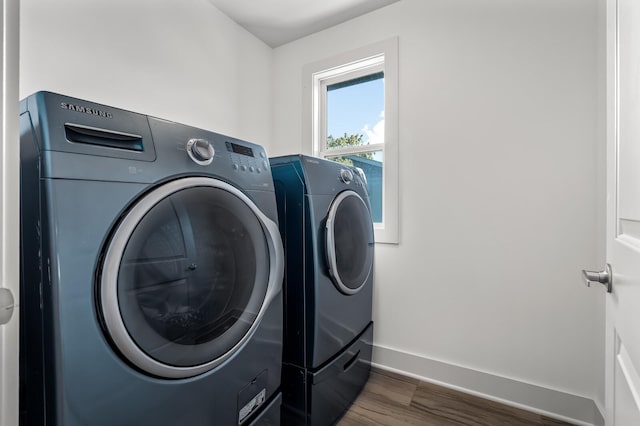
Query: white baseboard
[549, 402]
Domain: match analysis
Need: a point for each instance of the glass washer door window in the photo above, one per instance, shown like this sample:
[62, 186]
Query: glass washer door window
[188, 275]
[349, 239]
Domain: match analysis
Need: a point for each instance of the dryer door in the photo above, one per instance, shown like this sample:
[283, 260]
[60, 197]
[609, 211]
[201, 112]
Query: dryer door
[187, 276]
[349, 242]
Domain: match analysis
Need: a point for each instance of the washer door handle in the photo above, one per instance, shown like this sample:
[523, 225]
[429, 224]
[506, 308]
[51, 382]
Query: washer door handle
[276, 259]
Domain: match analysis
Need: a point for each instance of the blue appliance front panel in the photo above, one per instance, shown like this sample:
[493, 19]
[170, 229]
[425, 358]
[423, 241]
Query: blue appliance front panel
[71, 200]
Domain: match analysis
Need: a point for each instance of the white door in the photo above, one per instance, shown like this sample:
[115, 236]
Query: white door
[623, 213]
[9, 213]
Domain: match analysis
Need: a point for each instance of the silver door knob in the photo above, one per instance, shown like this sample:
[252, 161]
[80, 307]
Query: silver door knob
[603, 277]
[6, 305]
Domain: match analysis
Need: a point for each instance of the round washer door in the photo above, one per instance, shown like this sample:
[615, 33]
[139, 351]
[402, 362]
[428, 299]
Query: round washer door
[187, 276]
[349, 242]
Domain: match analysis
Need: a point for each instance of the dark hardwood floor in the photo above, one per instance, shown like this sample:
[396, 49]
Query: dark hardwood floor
[390, 399]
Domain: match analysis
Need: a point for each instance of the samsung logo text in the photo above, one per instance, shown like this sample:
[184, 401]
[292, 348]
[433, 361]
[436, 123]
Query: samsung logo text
[86, 110]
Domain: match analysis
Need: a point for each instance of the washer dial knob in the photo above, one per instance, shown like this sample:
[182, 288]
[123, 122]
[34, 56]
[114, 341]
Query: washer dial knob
[200, 151]
[346, 176]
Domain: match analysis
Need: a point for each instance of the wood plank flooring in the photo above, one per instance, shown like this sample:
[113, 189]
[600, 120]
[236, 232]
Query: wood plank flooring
[390, 399]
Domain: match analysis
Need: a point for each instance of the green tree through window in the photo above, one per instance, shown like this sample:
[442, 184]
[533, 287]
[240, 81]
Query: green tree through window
[346, 141]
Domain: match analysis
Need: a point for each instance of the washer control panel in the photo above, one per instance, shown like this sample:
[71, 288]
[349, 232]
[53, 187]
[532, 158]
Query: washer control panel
[246, 159]
[200, 151]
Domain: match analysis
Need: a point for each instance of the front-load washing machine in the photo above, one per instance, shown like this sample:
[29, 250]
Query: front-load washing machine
[151, 271]
[327, 232]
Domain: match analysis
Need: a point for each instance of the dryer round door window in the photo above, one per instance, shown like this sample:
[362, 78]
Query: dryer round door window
[349, 242]
[187, 277]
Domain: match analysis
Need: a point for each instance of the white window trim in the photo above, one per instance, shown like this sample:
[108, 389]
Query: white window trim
[381, 56]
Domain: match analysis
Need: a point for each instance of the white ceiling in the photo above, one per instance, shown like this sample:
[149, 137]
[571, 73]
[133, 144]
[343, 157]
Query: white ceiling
[277, 22]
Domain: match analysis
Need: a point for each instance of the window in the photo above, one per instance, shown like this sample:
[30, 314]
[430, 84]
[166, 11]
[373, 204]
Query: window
[351, 114]
[353, 128]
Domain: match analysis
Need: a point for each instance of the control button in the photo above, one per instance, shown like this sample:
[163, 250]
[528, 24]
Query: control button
[262, 154]
[265, 164]
[252, 169]
[259, 170]
[200, 151]
[243, 168]
[346, 176]
[235, 167]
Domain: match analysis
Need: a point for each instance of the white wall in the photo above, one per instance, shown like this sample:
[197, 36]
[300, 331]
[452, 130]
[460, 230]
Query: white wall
[498, 204]
[179, 60]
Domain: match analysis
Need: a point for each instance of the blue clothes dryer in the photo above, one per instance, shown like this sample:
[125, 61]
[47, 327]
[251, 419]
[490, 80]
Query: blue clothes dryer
[327, 232]
[151, 272]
